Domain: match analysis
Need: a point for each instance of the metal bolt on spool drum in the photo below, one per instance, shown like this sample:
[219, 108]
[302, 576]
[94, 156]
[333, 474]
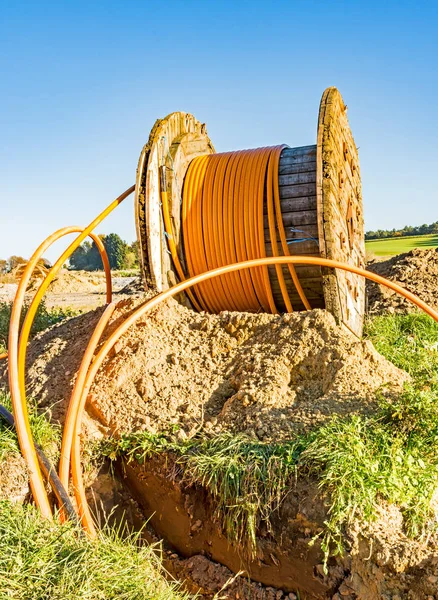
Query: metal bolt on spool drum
[321, 209]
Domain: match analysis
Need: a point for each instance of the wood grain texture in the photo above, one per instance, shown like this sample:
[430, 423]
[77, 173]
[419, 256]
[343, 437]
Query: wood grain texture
[340, 213]
[174, 141]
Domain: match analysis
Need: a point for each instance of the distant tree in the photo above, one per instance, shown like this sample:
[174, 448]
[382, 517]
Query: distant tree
[135, 247]
[3, 266]
[407, 230]
[79, 259]
[15, 261]
[94, 258]
[117, 250]
[120, 254]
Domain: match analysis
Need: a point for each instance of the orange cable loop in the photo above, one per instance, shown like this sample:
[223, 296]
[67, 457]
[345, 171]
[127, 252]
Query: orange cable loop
[71, 442]
[196, 280]
[17, 345]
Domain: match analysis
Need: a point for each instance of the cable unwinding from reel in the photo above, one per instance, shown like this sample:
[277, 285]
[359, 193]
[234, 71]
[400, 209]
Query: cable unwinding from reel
[223, 223]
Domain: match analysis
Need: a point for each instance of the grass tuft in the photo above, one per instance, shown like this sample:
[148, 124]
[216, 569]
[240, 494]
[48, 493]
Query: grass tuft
[41, 560]
[247, 479]
[409, 341]
[46, 434]
[44, 318]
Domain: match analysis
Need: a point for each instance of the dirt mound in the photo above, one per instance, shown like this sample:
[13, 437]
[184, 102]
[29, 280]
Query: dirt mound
[269, 376]
[266, 375]
[78, 282]
[417, 271]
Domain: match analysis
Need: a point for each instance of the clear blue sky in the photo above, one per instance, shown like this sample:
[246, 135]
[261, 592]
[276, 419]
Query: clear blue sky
[83, 82]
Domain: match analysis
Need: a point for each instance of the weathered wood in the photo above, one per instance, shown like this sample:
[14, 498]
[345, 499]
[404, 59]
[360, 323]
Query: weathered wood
[297, 178]
[307, 203]
[296, 219]
[339, 206]
[173, 142]
[299, 152]
[302, 167]
[297, 191]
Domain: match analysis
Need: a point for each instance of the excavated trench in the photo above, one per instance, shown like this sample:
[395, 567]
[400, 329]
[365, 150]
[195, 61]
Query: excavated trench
[268, 377]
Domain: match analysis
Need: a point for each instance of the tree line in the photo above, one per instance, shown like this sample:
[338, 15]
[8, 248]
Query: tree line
[86, 257]
[409, 230]
[121, 255]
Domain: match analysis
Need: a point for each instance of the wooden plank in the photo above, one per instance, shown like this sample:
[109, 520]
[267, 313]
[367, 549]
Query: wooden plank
[297, 178]
[295, 219]
[299, 151]
[306, 231]
[305, 248]
[298, 204]
[302, 167]
[297, 191]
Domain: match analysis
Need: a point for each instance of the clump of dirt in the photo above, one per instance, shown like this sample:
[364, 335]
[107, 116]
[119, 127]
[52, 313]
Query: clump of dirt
[417, 271]
[385, 563]
[266, 375]
[269, 376]
[14, 478]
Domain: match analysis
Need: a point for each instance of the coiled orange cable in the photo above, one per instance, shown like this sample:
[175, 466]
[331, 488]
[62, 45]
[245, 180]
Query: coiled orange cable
[17, 350]
[224, 201]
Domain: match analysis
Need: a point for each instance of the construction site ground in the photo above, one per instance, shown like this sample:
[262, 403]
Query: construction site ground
[269, 378]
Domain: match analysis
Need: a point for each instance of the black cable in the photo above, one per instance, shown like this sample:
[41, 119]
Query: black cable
[49, 473]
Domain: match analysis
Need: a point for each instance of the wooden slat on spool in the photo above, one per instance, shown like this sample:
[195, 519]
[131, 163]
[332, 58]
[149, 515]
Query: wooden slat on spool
[300, 221]
[320, 197]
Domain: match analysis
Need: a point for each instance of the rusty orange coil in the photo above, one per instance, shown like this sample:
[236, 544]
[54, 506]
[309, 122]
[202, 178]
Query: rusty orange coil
[222, 217]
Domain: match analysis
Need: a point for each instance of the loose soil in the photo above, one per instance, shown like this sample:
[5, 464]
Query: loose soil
[417, 271]
[79, 290]
[270, 377]
[14, 479]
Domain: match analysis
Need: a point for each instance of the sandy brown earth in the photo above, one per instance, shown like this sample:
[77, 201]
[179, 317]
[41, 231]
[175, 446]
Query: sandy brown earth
[266, 375]
[417, 271]
[14, 482]
[79, 290]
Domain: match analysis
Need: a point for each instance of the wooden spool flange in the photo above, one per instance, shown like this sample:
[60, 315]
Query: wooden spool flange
[321, 200]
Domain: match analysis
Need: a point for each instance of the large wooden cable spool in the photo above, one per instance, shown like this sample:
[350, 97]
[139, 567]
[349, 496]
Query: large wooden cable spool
[321, 206]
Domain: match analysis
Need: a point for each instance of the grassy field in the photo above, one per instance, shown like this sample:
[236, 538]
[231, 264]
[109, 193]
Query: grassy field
[393, 246]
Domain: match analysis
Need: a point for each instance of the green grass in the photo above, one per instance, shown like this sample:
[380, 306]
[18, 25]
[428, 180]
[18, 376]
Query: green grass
[247, 480]
[47, 435]
[409, 341]
[358, 462]
[42, 560]
[393, 246]
[44, 318]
